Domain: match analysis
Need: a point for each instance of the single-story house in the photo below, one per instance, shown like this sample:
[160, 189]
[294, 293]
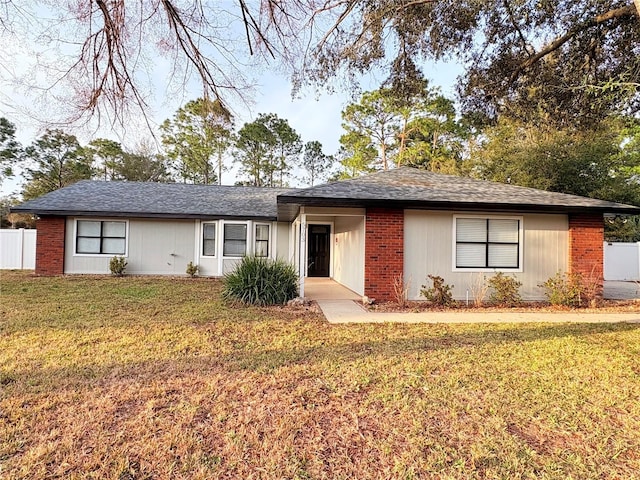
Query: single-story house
[365, 233]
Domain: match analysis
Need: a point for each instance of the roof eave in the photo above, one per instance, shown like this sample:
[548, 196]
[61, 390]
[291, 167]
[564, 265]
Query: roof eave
[450, 205]
[172, 216]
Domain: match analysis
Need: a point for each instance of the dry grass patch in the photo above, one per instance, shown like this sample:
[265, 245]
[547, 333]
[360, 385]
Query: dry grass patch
[140, 378]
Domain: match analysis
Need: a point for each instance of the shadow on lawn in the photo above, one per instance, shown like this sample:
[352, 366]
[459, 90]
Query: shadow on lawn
[390, 343]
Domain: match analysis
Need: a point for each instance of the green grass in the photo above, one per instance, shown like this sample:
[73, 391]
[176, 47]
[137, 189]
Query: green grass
[140, 378]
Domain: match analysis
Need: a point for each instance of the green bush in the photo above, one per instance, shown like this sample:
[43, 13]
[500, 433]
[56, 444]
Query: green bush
[439, 293]
[565, 289]
[505, 290]
[117, 266]
[261, 281]
[192, 270]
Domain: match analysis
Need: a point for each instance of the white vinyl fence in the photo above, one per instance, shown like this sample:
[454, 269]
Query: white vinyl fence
[622, 261]
[18, 249]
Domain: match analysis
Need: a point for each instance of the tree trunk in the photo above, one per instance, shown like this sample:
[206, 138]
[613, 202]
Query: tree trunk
[637, 4]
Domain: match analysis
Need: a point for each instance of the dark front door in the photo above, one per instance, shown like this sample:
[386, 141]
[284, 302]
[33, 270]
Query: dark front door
[318, 253]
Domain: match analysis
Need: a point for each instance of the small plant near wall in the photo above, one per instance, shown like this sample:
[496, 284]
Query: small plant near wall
[192, 270]
[439, 293]
[506, 290]
[401, 290]
[117, 265]
[261, 281]
[571, 290]
[479, 287]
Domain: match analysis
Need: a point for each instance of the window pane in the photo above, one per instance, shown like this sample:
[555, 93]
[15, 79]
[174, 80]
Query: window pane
[503, 231]
[113, 245]
[262, 248]
[471, 230]
[113, 229]
[503, 256]
[262, 232]
[234, 248]
[470, 255]
[209, 231]
[209, 248]
[88, 229]
[235, 232]
[88, 245]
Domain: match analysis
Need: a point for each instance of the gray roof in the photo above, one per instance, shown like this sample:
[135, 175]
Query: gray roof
[164, 200]
[401, 188]
[409, 187]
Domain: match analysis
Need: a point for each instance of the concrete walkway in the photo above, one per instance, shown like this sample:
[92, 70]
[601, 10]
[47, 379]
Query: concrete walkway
[341, 305]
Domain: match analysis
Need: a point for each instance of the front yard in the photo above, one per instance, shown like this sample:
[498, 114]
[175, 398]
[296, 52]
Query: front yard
[147, 378]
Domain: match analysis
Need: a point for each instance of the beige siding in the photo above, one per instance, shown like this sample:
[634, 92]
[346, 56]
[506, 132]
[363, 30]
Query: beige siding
[283, 230]
[348, 260]
[156, 247]
[429, 244]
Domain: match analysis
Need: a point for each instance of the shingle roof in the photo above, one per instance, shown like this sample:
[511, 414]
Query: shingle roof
[402, 188]
[146, 199]
[409, 187]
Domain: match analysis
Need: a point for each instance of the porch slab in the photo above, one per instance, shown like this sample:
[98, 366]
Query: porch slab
[320, 288]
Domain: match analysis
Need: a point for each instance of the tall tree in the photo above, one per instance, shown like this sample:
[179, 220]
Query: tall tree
[53, 161]
[197, 138]
[266, 150]
[106, 154]
[315, 163]
[417, 127]
[357, 155]
[9, 148]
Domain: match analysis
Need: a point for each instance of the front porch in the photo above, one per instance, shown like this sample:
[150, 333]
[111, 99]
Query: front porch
[316, 288]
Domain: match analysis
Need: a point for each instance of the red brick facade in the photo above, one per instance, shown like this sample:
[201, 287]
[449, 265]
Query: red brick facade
[384, 252]
[586, 246]
[50, 246]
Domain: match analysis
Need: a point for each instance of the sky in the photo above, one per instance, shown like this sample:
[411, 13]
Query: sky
[314, 115]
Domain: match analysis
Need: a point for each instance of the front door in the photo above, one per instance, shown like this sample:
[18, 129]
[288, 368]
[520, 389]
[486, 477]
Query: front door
[318, 254]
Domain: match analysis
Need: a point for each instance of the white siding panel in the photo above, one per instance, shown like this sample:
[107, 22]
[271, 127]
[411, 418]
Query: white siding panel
[428, 244]
[283, 230]
[348, 262]
[156, 247]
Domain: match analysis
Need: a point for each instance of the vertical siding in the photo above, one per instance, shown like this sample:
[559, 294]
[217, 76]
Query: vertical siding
[429, 243]
[155, 247]
[348, 262]
[282, 234]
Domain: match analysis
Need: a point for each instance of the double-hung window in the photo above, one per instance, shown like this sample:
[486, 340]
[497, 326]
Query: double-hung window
[262, 240]
[235, 240]
[101, 237]
[208, 239]
[488, 242]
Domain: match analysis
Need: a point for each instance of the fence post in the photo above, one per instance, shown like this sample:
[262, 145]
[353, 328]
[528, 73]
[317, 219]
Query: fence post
[21, 237]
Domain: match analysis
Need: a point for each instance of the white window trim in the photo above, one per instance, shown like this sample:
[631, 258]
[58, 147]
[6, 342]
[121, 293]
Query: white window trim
[201, 238]
[520, 268]
[100, 255]
[249, 239]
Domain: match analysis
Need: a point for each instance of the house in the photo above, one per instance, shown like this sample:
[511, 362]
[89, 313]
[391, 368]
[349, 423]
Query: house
[365, 233]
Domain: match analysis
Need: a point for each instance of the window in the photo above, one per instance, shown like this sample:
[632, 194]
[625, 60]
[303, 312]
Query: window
[208, 239]
[235, 240]
[101, 237]
[262, 240]
[487, 242]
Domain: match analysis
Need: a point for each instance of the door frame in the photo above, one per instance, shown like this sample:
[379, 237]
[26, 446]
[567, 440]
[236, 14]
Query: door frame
[331, 242]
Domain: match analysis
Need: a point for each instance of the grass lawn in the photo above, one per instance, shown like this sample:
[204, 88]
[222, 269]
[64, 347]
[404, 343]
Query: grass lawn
[147, 378]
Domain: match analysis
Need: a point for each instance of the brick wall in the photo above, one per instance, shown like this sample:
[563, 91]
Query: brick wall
[586, 246]
[50, 245]
[384, 251]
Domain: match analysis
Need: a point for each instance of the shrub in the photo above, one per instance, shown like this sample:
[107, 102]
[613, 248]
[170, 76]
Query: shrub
[192, 270]
[261, 281]
[569, 289]
[439, 293]
[506, 290]
[117, 265]
[479, 287]
[401, 290]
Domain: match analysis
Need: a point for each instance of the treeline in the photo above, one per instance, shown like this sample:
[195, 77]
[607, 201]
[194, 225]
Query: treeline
[386, 128]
